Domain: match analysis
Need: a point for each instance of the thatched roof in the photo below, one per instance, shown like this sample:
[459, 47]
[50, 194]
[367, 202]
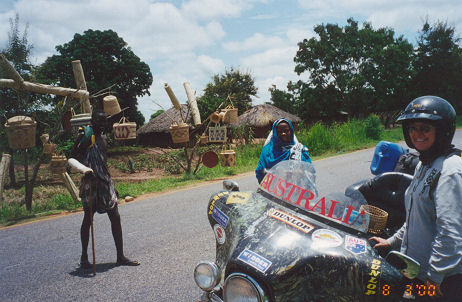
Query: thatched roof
[162, 122]
[264, 115]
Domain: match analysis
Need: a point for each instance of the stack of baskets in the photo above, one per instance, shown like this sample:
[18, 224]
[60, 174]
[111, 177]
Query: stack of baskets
[58, 165]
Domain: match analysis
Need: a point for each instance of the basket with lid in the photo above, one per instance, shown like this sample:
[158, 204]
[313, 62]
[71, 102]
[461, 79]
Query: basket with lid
[21, 132]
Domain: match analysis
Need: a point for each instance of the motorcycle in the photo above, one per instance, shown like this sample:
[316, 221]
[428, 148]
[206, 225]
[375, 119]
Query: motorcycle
[286, 242]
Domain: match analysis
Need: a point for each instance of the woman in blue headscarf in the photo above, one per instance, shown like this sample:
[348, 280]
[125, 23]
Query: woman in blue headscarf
[280, 145]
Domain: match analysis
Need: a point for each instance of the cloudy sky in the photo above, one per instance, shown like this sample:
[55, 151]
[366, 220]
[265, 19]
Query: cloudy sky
[190, 41]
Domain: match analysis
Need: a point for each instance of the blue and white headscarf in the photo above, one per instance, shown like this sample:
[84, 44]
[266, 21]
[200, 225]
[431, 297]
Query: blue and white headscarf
[275, 150]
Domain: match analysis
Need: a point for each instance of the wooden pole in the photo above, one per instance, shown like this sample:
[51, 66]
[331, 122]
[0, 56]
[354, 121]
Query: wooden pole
[9, 69]
[90, 201]
[192, 104]
[71, 187]
[17, 82]
[81, 84]
[45, 89]
[4, 165]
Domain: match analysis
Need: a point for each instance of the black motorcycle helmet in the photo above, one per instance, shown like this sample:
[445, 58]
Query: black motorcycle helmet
[436, 111]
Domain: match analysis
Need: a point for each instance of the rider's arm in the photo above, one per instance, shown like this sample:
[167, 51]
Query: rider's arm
[395, 240]
[446, 256]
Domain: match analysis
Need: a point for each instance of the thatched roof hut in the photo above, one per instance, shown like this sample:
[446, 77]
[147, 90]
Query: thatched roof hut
[262, 117]
[156, 131]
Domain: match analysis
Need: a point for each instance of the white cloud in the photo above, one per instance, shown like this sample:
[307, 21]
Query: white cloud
[212, 9]
[255, 42]
[211, 65]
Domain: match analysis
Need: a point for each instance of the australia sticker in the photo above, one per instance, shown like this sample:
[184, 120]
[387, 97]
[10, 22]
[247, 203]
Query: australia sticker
[219, 233]
[355, 245]
[291, 220]
[324, 238]
[254, 260]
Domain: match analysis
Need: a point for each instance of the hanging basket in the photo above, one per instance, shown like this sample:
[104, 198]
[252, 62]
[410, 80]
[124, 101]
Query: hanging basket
[49, 148]
[204, 139]
[111, 105]
[228, 158]
[21, 132]
[217, 134]
[378, 218]
[79, 120]
[58, 165]
[124, 130]
[230, 115]
[180, 134]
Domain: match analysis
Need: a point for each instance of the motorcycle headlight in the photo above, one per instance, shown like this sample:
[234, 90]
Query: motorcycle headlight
[206, 275]
[242, 288]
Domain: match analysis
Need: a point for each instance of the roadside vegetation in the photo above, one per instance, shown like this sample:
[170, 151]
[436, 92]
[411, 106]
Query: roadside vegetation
[322, 140]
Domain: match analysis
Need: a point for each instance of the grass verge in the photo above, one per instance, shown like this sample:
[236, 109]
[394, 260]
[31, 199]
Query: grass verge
[322, 140]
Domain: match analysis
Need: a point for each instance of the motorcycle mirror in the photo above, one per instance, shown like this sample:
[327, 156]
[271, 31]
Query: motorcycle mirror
[230, 185]
[407, 266]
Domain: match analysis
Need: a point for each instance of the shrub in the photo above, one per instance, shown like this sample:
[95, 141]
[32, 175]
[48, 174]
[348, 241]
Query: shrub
[373, 127]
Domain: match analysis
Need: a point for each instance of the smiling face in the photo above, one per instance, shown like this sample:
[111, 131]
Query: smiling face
[422, 135]
[283, 131]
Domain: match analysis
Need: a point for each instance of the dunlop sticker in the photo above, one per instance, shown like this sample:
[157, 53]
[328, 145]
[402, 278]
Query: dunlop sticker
[291, 220]
[374, 277]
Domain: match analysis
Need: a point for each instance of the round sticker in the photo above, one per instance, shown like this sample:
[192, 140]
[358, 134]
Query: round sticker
[324, 238]
[219, 233]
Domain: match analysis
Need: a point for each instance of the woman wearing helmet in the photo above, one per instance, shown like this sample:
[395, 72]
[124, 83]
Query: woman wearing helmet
[432, 232]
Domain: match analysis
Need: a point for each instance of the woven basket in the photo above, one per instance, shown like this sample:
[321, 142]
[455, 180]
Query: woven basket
[124, 129]
[111, 105]
[378, 218]
[21, 132]
[49, 148]
[58, 165]
[230, 116]
[228, 158]
[180, 134]
[204, 139]
[80, 120]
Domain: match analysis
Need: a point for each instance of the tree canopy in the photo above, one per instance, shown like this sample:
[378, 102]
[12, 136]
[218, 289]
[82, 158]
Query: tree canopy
[351, 69]
[438, 63]
[239, 86]
[106, 60]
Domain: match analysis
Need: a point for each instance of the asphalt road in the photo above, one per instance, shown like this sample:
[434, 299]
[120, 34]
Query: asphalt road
[167, 233]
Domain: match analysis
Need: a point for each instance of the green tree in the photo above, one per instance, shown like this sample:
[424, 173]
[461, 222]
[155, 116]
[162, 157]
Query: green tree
[438, 63]
[239, 86]
[351, 69]
[283, 100]
[17, 53]
[156, 114]
[106, 60]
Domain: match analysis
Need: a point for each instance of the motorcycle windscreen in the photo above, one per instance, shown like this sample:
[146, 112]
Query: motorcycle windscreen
[294, 182]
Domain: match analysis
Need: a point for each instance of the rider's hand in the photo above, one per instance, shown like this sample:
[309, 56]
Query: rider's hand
[381, 242]
[438, 292]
